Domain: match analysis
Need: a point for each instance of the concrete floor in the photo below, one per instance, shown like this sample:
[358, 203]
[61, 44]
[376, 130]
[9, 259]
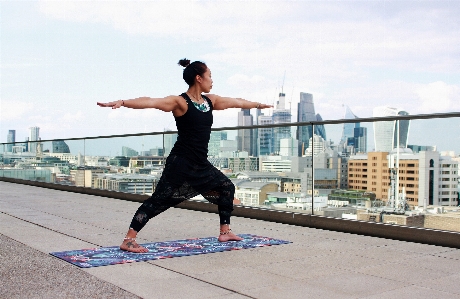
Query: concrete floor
[318, 264]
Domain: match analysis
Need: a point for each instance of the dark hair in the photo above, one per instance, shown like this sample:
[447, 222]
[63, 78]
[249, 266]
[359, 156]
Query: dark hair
[192, 69]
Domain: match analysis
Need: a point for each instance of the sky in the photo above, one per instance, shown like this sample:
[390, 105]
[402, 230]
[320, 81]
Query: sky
[58, 58]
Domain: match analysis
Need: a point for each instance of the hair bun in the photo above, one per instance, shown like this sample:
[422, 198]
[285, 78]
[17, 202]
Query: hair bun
[184, 62]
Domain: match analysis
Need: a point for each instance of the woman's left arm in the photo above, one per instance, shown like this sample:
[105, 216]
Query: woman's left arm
[222, 103]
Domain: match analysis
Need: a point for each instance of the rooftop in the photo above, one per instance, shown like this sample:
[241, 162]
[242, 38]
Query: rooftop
[318, 263]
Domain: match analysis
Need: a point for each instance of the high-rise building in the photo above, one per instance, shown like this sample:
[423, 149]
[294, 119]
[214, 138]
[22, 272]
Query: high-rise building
[354, 137]
[348, 128]
[360, 139]
[265, 136]
[59, 146]
[245, 136]
[320, 129]
[214, 142]
[10, 138]
[255, 134]
[316, 146]
[386, 132]
[289, 147]
[306, 113]
[34, 135]
[281, 115]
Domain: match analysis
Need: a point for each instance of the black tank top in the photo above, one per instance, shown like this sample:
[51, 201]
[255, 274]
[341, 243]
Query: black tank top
[194, 130]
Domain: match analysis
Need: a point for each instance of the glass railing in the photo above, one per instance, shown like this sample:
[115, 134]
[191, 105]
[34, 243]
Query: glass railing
[349, 169]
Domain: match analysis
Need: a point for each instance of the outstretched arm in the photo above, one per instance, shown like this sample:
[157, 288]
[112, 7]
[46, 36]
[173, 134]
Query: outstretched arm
[166, 104]
[221, 103]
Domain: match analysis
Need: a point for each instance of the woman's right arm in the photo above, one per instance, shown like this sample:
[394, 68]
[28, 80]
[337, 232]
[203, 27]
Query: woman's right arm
[167, 104]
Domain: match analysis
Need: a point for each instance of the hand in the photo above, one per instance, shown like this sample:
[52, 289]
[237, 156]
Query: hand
[264, 106]
[114, 105]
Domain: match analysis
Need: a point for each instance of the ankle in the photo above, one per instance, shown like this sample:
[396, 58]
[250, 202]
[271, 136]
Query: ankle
[131, 234]
[229, 231]
[225, 229]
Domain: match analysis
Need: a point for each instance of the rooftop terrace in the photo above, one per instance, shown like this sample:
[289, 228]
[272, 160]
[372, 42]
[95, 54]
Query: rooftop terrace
[318, 263]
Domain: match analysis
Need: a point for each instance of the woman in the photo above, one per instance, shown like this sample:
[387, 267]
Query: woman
[187, 171]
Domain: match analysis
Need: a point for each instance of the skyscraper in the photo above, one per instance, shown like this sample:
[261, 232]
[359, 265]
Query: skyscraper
[265, 137]
[245, 136]
[255, 134]
[34, 135]
[10, 138]
[305, 113]
[281, 116]
[360, 139]
[320, 129]
[386, 132]
[348, 128]
[214, 142]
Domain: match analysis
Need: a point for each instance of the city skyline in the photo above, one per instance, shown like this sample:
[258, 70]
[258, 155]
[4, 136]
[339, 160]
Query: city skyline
[363, 139]
[60, 58]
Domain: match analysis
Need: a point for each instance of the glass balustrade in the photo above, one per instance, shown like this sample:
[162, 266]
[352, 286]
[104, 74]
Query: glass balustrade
[396, 170]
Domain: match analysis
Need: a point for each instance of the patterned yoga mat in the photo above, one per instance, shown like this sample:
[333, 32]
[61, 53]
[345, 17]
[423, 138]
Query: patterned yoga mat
[95, 257]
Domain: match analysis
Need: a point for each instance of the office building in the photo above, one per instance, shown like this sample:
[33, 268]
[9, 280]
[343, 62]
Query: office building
[425, 178]
[128, 152]
[214, 145]
[10, 138]
[281, 115]
[360, 139]
[59, 146]
[348, 128]
[320, 129]
[34, 135]
[306, 113]
[387, 133]
[245, 136]
[265, 136]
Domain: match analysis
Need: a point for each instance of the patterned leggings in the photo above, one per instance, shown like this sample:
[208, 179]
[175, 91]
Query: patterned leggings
[217, 189]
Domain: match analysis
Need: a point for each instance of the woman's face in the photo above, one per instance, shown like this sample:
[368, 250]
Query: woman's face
[205, 81]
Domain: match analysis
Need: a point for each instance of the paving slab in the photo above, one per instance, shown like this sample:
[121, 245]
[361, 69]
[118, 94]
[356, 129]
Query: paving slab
[317, 264]
[29, 273]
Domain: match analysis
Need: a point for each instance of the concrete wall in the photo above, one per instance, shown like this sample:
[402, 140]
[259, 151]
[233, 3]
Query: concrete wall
[417, 221]
[443, 222]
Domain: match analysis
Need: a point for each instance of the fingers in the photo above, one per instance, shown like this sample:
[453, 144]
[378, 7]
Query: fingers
[114, 105]
[104, 104]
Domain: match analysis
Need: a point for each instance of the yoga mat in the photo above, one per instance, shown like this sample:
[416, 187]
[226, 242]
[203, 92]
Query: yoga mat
[95, 257]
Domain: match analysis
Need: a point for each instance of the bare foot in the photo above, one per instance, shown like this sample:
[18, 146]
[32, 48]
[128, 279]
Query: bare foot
[131, 245]
[229, 237]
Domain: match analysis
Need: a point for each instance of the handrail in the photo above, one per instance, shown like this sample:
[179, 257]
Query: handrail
[292, 124]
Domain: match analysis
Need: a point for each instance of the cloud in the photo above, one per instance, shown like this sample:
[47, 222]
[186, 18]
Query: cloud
[72, 117]
[438, 97]
[358, 53]
[307, 32]
[14, 110]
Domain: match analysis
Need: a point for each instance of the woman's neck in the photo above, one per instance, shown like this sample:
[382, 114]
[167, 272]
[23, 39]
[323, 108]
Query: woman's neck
[195, 94]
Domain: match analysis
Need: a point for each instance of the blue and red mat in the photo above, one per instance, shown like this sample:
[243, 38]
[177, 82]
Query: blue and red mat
[95, 257]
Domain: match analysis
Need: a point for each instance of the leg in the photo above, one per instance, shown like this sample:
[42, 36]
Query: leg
[223, 197]
[163, 198]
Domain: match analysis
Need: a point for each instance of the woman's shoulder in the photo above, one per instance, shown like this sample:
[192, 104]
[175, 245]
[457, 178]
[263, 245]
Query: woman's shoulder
[212, 97]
